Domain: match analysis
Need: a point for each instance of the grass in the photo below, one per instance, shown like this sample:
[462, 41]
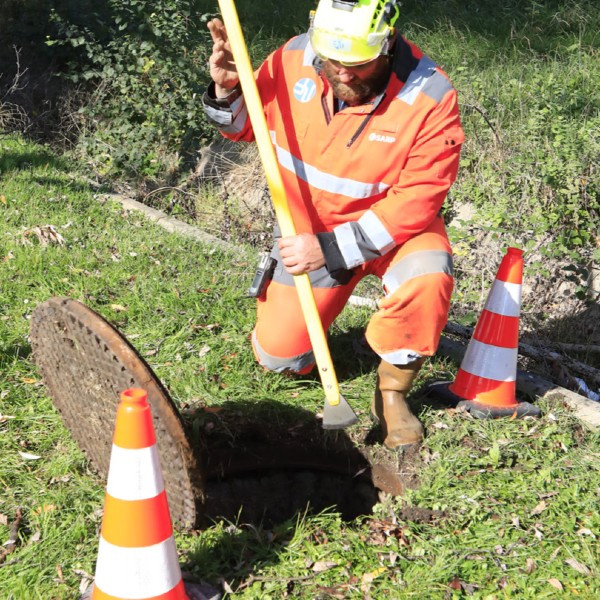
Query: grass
[517, 499]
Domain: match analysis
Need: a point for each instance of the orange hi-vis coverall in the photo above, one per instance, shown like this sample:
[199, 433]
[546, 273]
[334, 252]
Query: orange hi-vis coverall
[370, 181]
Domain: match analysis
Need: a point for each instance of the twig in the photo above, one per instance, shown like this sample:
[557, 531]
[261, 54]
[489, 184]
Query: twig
[10, 562]
[15, 87]
[482, 113]
[13, 536]
[167, 189]
[253, 579]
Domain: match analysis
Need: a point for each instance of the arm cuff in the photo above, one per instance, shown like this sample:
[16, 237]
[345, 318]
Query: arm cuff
[331, 251]
[210, 96]
[218, 110]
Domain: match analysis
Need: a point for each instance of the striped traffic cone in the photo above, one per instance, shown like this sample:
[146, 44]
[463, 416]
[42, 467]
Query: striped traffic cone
[485, 383]
[137, 557]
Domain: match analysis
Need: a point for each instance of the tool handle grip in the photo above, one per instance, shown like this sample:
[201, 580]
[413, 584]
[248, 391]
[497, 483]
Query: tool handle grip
[275, 183]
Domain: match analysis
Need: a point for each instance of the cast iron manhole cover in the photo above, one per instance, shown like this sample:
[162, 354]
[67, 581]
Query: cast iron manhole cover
[86, 364]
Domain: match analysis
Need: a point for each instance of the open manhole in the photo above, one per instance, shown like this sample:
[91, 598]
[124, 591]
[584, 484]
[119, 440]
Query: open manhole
[227, 462]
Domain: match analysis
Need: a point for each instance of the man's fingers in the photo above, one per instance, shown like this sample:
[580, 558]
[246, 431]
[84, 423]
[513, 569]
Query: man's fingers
[217, 58]
[217, 30]
[213, 29]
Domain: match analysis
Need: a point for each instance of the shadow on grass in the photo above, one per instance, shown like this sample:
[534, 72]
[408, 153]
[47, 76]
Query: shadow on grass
[10, 353]
[26, 161]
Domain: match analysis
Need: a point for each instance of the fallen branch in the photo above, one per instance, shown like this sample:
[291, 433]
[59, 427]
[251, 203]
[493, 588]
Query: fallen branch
[583, 348]
[534, 386]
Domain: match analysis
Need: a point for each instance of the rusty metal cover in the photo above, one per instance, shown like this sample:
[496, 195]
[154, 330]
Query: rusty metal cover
[86, 364]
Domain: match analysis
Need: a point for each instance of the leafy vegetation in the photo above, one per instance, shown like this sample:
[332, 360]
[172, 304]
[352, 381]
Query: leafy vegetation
[146, 63]
[531, 111]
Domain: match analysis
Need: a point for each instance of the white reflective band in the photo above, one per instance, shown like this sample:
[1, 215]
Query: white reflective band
[324, 181]
[240, 116]
[281, 365]
[504, 299]
[134, 474]
[309, 56]
[416, 264]
[417, 80]
[377, 233]
[344, 234]
[490, 362]
[400, 357]
[134, 573]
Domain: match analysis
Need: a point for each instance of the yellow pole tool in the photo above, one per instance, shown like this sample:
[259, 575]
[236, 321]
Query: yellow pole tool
[337, 413]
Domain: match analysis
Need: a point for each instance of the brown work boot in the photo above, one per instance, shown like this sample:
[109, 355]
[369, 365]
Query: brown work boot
[400, 427]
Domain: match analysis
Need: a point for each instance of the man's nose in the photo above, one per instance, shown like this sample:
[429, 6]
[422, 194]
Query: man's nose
[345, 75]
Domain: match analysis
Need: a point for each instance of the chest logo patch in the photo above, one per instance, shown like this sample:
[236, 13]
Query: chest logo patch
[386, 139]
[305, 90]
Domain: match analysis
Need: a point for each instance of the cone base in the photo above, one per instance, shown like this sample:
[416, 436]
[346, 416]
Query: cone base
[441, 390]
[484, 411]
[193, 591]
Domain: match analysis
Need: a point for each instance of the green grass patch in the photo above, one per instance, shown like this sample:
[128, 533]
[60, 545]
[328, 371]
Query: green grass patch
[516, 500]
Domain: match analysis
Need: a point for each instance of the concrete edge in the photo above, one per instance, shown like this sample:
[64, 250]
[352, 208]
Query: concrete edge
[170, 224]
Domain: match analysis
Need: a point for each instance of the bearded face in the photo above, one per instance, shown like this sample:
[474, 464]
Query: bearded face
[357, 85]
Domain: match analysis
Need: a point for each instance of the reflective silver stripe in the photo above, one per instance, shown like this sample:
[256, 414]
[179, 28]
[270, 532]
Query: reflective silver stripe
[490, 362]
[376, 232]
[344, 235]
[425, 262]
[298, 43]
[309, 56]
[324, 181]
[240, 116]
[416, 80]
[504, 299]
[302, 43]
[282, 365]
[437, 86]
[400, 357]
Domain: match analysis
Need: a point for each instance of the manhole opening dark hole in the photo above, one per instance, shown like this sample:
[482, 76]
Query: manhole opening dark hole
[269, 497]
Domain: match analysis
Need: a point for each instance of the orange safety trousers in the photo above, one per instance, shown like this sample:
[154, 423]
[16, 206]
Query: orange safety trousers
[417, 281]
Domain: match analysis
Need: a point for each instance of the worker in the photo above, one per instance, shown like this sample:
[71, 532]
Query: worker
[367, 135]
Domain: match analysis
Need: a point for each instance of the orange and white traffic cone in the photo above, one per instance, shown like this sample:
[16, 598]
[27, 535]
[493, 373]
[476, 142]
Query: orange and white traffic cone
[485, 383]
[137, 557]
